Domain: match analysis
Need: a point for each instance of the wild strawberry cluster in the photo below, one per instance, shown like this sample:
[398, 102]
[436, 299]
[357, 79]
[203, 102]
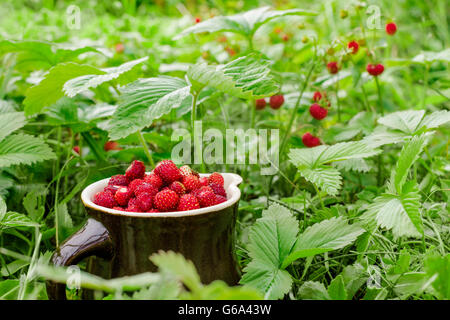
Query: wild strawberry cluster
[166, 189]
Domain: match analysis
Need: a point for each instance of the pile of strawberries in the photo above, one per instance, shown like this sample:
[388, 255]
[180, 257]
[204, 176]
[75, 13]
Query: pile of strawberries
[167, 188]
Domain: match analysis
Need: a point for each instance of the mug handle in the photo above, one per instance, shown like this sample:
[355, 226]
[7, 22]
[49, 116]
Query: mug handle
[92, 239]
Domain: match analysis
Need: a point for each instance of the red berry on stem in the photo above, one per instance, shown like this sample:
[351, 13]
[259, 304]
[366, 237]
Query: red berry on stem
[317, 112]
[166, 200]
[375, 69]
[276, 101]
[260, 104]
[391, 28]
[136, 170]
[111, 145]
[354, 46]
[332, 67]
[188, 202]
[310, 141]
[197, 20]
[317, 96]
[119, 47]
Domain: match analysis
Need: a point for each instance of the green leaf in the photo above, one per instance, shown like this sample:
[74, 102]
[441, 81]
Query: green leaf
[270, 241]
[77, 85]
[336, 289]
[358, 165]
[49, 90]
[399, 213]
[435, 119]
[176, 265]
[145, 100]
[10, 122]
[439, 267]
[402, 264]
[311, 162]
[326, 178]
[23, 149]
[313, 290]
[431, 56]
[245, 77]
[14, 219]
[327, 235]
[2, 208]
[244, 23]
[409, 154]
[33, 55]
[405, 121]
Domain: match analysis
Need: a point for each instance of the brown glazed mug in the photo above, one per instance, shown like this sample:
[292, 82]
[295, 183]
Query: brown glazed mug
[120, 243]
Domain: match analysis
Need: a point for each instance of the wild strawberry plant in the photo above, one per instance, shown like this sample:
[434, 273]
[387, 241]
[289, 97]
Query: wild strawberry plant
[358, 206]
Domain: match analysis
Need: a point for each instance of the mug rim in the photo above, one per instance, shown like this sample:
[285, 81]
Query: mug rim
[232, 179]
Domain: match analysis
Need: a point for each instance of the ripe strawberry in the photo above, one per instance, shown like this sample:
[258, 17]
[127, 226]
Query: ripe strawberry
[178, 187]
[153, 210]
[133, 206]
[105, 199]
[111, 145]
[391, 28]
[333, 67]
[166, 200]
[317, 112]
[118, 208]
[191, 183]
[260, 104]
[145, 187]
[168, 171]
[187, 171]
[310, 141]
[218, 189]
[188, 202]
[154, 179]
[119, 47]
[276, 101]
[134, 184]
[317, 96]
[119, 180]
[216, 178]
[205, 196]
[136, 170]
[203, 181]
[354, 46]
[145, 201]
[76, 149]
[375, 70]
[285, 37]
[197, 20]
[123, 195]
[111, 188]
[220, 199]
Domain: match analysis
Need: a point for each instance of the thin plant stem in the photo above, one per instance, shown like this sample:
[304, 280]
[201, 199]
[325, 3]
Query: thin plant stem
[380, 99]
[337, 99]
[146, 149]
[425, 85]
[294, 111]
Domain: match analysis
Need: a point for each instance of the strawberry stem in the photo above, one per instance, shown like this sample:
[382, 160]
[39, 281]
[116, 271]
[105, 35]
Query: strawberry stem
[146, 149]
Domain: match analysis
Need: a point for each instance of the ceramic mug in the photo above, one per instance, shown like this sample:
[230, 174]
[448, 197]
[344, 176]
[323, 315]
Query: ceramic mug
[120, 243]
